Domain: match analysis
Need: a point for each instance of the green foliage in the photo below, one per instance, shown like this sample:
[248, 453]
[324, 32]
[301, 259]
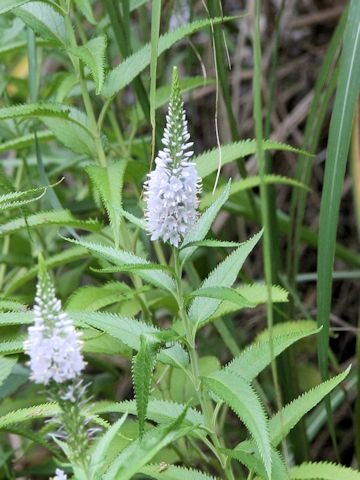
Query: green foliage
[207, 162]
[123, 258]
[142, 370]
[124, 73]
[143, 450]
[257, 356]
[44, 20]
[322, 471]
[70, 120]
[58, 217]
[108, 182]
[6, 365]
[242, 399]
[92, 54]
[281, 423]
[203, 225]
[224, 275]
[248, 454]
[173, 472]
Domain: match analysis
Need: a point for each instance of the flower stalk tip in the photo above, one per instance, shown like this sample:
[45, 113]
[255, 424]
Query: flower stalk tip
[172, 188]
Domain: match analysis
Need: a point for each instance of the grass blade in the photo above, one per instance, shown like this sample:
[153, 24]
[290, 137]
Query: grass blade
[338, 148]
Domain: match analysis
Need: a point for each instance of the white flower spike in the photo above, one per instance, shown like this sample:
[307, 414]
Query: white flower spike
[172, 188]
[59, 475]
[53, 343]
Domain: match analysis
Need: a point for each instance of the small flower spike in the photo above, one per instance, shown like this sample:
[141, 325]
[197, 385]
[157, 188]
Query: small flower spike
[172, 188]
[59, 475]
[53, 343]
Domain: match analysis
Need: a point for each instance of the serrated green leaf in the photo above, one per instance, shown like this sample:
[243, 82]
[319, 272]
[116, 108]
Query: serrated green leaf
[203, 225]
[242, 399]
[221, 293]
[245, 184]
[35, 110]
[248, 454]
[255, 294]
[90, 298]
[6, 365]
[18, 199]
[160, 411]
[142, 451]
[129, 331]
[85, 8]
[28, 414]
[322, 471]
[53, 217]
[211, 243]
[109, 184]
[66, 256]
[99, 454]
[174, 472]
[121, 257]
[69, 125]
[7, 5]
[257, 356]
[139, 222]
[92, 54]
[44, 20]
[125, 73]
[143, 370]
[25, 141]
[224, 275]
[74, 132]
[284, 420]
[207, 162]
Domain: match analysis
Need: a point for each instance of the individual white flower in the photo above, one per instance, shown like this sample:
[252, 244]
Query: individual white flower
[53, 343]
[172, 188]
[59, 475]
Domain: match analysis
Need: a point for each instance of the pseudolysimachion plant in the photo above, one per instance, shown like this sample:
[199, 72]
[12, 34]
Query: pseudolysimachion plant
[174, 438]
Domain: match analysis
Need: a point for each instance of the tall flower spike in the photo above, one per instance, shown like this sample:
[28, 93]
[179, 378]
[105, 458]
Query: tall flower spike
[172, 188]
[53, 343]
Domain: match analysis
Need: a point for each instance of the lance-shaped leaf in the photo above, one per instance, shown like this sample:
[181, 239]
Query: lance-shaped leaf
[6, 365]
[174, 472]
[322, 471]
[18, 199]
[142, 451]
[257, 356]
[129, 331]
[53, 217]
[245, 184]
[203, 225]
[159, 411]
[99, 455]
[7, 5]
[208, 162]
[122, 257]
[44, 20]
[248, 454]
[125, 73]
[255, 294]
[284, 420]
[92, 54]
[224, 275]
[221, 293]
[143, 369]
[242, 399]
[109, 184]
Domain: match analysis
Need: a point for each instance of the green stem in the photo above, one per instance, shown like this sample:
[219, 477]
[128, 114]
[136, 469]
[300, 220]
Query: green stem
[204, 400]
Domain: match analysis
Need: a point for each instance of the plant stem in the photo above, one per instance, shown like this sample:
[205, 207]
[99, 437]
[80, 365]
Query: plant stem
[204, 400]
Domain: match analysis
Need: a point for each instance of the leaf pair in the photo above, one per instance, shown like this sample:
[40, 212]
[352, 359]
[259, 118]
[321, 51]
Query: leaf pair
[232, 385]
